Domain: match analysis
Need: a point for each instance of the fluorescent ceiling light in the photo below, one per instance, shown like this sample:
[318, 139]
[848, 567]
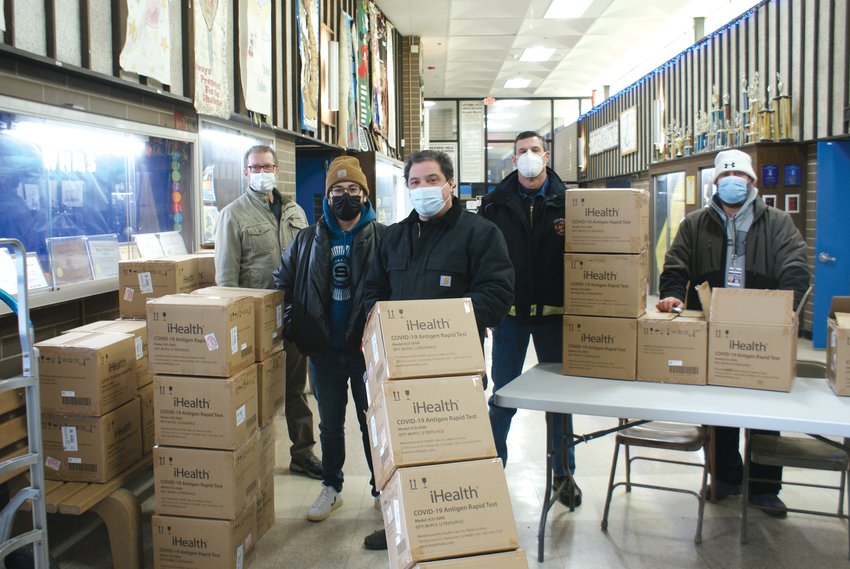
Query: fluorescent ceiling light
[537, 54]
[430, 104]
[517, 83]
[565, 9]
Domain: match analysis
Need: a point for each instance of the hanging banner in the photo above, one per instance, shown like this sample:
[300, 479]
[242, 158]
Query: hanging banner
[364, 103]
[308, 48]
[391, 99]
[212, 89]
[347, 120]
[471, 142]
[255, 54]
[379, 70]
[147, 50]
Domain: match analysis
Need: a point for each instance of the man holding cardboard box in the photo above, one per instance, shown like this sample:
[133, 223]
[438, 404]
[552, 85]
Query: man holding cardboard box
[252, 232]
[528, 207]
[440, 251]
[737, 241]
[322, 274]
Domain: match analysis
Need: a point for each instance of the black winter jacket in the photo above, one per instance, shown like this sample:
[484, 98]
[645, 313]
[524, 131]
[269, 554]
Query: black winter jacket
[537, 249]
[775, 257]
[304, 276]
[470, 251]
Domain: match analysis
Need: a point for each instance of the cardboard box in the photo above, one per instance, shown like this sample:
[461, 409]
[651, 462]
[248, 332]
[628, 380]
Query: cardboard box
[147, 413]
[203, 412]
[141, 279]
[138, 328]
[271, 386]
[838, 345]
[144, 379]
[206, 268]
[91, 449]
[205, 483]
[600, 347]
[447, 510]
[268, 316]
[422, 338]
[508, 560]
[428, 421]
[265, 504]
[86, 374]
[200, 335]
[266, 453]
[607, 221]
[752, 338]
[673, 348]
[597, 284]
[200, 543]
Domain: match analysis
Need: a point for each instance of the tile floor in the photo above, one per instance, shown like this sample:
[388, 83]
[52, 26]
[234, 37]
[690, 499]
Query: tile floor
[647, 529]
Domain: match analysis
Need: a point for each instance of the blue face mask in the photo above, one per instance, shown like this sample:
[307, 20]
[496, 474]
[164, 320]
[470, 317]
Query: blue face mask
[428, 200]
[732, 190]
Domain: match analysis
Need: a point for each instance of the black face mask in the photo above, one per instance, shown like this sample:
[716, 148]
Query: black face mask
[345, 207]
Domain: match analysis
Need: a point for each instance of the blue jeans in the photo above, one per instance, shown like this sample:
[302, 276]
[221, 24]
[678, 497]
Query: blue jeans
[510, 344]
[331, 374]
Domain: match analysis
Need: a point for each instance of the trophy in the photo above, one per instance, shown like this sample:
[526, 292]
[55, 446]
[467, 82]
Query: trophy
[782, 117]
[744, 111]
[689, 142]
[766, 119]
[753, 112]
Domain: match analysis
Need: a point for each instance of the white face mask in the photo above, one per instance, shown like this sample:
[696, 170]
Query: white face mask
[530, 164]
[428, 200]
[263, 182]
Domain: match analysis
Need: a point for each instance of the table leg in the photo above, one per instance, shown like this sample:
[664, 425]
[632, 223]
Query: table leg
[122, 515]
[547, 495]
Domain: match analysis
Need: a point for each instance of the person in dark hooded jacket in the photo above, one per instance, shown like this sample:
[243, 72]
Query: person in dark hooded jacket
[322, 274]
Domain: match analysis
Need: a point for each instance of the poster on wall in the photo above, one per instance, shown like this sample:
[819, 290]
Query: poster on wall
[328, 110]
[628, 131]
[212, 89]
[603, 138]
[380, 92]
[364, 104]
[472, 142]
[391, 100]
[308, 48]
[449, 148]
[147, 49]
[255, 54]
[347, 118]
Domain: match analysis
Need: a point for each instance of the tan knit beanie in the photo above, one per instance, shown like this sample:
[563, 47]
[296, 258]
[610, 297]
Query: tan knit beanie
[345, 169]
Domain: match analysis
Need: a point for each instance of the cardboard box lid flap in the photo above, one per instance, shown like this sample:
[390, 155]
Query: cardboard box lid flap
[652, 315]
[86, 340]
[194, 300]
[843, 319]
[752, 306]
[704, 294]
[839, 304]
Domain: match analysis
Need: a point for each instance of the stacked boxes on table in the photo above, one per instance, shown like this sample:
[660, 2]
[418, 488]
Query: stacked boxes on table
[606, 269]
[443, 494]
[838, 345]
[206, 458]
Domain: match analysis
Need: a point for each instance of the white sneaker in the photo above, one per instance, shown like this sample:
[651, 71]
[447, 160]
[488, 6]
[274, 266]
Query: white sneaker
[328, 501]
[378, 503]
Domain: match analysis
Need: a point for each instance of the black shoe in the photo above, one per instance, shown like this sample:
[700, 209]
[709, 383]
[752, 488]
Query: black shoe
[565, 495]
[770, 504]
[723, 489]
[376, 541]
[308, 466]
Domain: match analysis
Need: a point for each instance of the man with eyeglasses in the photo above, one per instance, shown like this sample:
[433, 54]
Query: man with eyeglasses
[440, 251]
[528, 207]
[322, 274]
[251, 234]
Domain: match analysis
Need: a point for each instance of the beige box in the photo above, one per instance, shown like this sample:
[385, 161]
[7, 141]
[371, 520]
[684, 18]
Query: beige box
[422, 338]
[146, 409]
[206, 268]
[200, 335]
[144, 379]
[598, 284]
[201, 543]
[205, 483]
[447, 510]
[672, 348]
[271, 386]
[91, 449]
[141, 279]
[752, 338]
[607, 221]
[138, 328]
[428, 421]
[86, 374]
[268, 316]
[266, 453]
[838, 345]
[265, 504]
[205, 412]
[508, 560]
[600, 347]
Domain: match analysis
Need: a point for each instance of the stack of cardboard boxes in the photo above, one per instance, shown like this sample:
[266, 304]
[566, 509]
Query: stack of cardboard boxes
[206, 458]
[838, 345]
[444, 495]
[606, 268]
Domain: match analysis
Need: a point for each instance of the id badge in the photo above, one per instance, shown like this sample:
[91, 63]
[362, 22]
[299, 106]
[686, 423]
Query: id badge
[734, 277]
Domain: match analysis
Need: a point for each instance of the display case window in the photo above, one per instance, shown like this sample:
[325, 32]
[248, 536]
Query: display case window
[668, 194]
[76, 193]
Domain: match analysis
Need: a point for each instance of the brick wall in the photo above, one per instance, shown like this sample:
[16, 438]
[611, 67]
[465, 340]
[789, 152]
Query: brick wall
[411, 94]
[285, 149]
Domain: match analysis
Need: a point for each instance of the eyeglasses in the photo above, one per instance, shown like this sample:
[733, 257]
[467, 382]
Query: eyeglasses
[350, 190]
[268, 168]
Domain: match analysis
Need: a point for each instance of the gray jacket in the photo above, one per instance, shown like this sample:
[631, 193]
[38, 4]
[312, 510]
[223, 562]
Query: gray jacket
[249, 241]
